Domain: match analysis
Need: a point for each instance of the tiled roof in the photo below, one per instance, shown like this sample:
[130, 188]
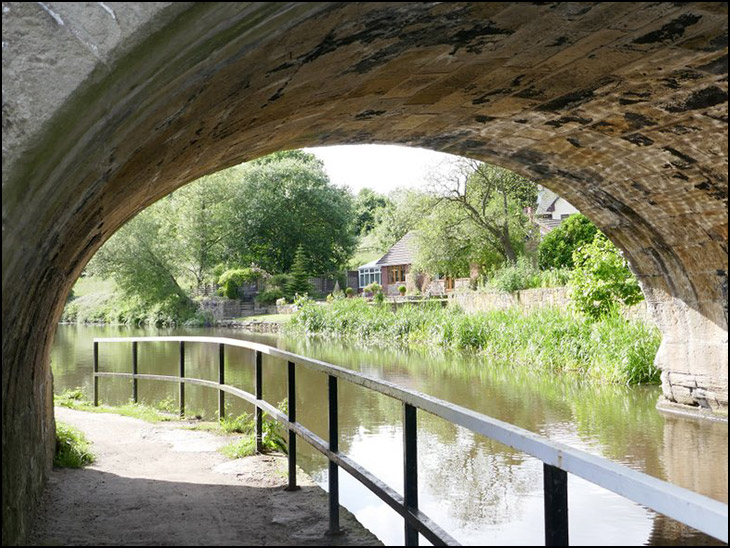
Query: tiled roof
[402, 252]
[546, 225]
[546, 201]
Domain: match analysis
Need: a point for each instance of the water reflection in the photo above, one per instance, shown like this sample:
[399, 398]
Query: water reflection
[479, 491]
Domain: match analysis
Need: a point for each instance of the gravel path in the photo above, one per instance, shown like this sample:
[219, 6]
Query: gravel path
[158, 484]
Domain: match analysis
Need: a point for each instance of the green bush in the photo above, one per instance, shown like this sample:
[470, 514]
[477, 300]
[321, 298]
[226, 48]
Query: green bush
[270, 296]
[349, 292]
[372, 288]
[402, 289]
[601, 279]
[232, 280]
[557, 247]
[73, 450]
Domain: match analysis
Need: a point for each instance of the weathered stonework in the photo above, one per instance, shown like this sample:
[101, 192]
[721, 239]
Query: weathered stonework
[619, 107]
[473, 302]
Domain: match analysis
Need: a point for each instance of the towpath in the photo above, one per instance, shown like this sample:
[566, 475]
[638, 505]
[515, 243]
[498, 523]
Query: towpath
[160, 484]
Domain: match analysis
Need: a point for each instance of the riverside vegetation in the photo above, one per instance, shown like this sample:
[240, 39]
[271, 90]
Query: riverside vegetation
[610, 348]
[73, 449]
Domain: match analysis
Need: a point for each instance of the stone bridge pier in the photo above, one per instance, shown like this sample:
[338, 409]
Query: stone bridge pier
[619, 107]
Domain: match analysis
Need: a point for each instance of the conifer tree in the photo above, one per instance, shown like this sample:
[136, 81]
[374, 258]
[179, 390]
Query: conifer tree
[299, 274]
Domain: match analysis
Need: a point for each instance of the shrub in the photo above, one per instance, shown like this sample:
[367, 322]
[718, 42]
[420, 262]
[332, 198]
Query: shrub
[349, 292]
[372, 289]
[73, 450]
[556, 249]
[270, 296]
[232, 280]
[513, 277]
[601, 279]
[402, 289]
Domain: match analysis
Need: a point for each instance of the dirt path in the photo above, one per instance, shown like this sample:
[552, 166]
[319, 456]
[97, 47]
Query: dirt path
[158, 484]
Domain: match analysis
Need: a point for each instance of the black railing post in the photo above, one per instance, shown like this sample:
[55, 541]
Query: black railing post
[334, 479]
[96, 378]
[182, 376]
[135, 393]
[292, 399]
[555, 484]
[221, 380]
[258, 413]
[410, 470]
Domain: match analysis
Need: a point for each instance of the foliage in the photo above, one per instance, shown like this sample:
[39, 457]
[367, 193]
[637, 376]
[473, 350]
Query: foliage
[557, 247]
[349, 292]
[143, 263]
[402, 289]
[601, 279]
[485, 207]
[76, 399]
[244, 447]
[271, 435]
[285, 202]
[73, 450]
[401, 214]
[367, 202]
[270, 296]
[257, 213]
[232, 280]
[611, 350]
[242, 424]
[299, 284]
[523, 275]
[372, 289]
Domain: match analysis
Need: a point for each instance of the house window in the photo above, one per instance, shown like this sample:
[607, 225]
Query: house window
[368, 276]
[396, 274]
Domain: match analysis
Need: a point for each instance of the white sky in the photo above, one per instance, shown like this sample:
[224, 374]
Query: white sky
[380, 167]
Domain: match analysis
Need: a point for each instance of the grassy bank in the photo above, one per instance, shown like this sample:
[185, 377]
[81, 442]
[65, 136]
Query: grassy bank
[611, 349]
[73, 449]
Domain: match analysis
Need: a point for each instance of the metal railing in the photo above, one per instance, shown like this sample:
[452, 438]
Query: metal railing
[702, 513]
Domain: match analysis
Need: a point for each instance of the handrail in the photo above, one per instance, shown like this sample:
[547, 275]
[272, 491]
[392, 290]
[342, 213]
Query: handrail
[698, 511]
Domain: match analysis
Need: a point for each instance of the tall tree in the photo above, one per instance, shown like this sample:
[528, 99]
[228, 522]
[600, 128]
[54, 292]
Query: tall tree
[401, 214]
[142, 259]
[367, 202]
[491, 198]
[286, 203]
[202, 214]
[299, 281]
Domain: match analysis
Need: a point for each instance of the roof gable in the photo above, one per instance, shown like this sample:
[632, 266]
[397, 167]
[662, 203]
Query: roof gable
[402, 252]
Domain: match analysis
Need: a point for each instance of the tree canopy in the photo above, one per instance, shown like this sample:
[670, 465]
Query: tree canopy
[280, 205]
[253, 216]
[475, 215]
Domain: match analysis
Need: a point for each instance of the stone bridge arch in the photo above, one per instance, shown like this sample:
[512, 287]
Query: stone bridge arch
[619, 107]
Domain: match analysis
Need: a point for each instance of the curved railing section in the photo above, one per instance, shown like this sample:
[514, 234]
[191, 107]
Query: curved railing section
[697, 511]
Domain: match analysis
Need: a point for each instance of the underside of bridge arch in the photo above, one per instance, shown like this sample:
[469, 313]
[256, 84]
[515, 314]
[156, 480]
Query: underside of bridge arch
[621, 108]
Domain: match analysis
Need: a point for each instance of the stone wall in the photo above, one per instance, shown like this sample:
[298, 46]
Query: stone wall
[621, 108]
[529, 299]
[226, 309]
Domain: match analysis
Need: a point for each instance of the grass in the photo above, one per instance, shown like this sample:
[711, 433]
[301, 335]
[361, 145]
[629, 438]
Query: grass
[244, 447]
[76, 399]
[73, 450]
[610, 349]
[244, 424]
[265, 318]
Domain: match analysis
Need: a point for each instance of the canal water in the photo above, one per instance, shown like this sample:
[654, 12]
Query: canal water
[481, 492]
